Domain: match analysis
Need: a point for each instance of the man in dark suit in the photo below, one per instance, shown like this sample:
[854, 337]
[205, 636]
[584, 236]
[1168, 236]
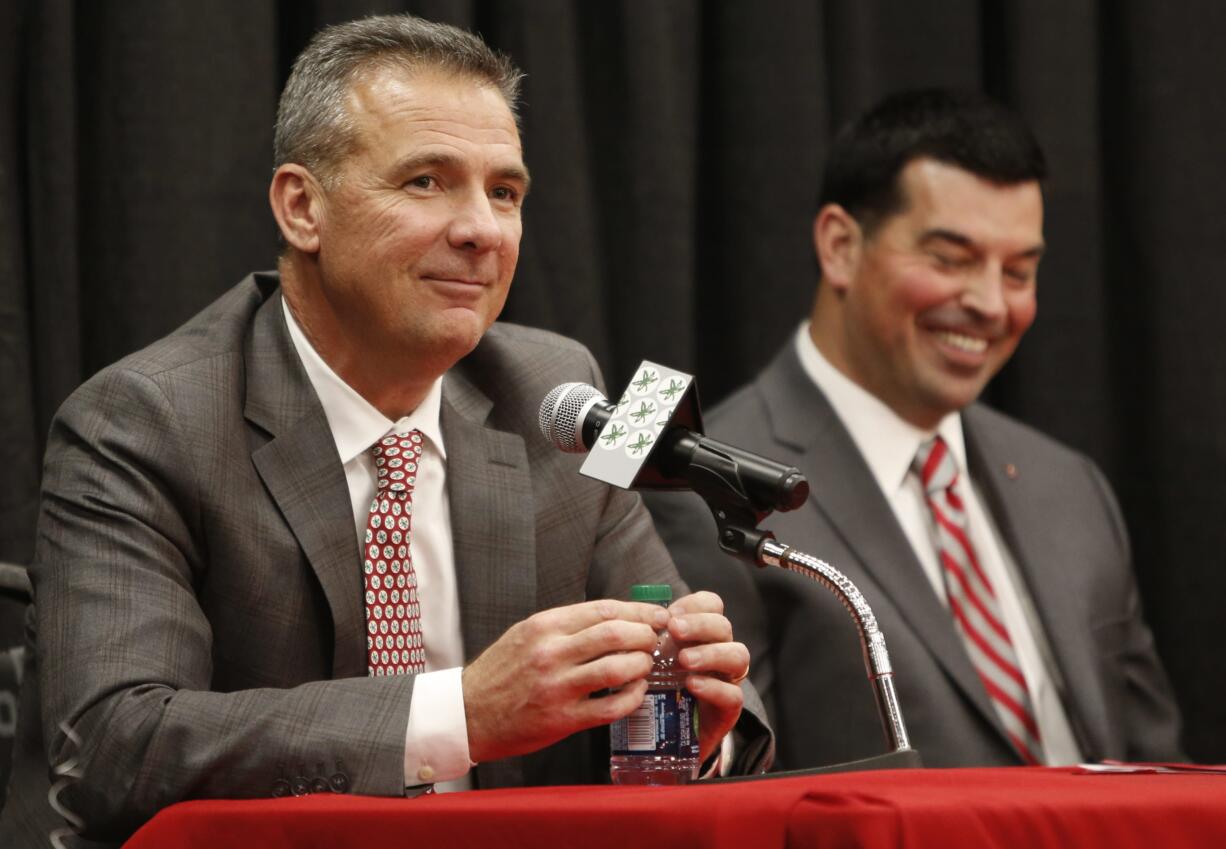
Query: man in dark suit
[312, 541]
[995, 560]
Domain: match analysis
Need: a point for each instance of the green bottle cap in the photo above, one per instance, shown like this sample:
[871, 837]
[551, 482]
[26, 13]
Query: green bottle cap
[659, 593]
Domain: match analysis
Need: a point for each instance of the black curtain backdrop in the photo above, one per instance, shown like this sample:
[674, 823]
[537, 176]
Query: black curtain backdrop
[675, 147]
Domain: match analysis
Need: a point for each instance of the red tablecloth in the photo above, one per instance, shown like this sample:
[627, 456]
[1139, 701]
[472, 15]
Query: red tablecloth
[900, 809]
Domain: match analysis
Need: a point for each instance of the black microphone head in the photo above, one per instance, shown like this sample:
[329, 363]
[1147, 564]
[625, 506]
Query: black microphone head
[563, 413]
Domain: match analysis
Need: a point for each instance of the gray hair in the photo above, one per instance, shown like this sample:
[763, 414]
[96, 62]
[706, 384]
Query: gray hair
[314, 126]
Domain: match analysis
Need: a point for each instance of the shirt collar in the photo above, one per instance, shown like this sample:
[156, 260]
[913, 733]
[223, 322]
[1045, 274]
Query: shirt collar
[355, 423]
[887, 441]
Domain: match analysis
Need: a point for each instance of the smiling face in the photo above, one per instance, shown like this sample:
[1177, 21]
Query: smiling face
[926, 309]
[416, 240]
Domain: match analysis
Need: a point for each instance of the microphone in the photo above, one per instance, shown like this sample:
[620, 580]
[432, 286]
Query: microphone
[573, 416]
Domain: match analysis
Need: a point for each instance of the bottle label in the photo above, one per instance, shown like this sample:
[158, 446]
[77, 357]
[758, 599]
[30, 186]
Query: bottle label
[666, 723]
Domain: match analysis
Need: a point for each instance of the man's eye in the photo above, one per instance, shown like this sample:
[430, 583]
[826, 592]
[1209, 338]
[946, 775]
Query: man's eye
[505, 193]
[425, 181]
[946, 261]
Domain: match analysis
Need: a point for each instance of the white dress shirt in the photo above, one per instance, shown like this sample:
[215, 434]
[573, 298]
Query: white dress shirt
[436, 737]
[889, 444]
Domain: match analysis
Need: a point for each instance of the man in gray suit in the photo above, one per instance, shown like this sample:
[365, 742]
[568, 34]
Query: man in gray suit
[213, 604]
[995, 559]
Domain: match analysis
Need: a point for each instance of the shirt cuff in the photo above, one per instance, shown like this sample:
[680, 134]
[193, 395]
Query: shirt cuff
[436, 740]
[721, 763]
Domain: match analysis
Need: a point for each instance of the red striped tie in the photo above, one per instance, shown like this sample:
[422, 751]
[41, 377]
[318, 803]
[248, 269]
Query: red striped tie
[393, 613]
[973, 604]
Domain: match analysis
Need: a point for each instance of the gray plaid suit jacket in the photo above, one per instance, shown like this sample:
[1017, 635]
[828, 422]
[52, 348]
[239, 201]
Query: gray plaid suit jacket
[198, 583]
[1059, 520]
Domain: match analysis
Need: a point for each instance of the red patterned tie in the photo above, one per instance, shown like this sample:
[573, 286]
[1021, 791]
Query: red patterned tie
[393, 615]
[973, 604]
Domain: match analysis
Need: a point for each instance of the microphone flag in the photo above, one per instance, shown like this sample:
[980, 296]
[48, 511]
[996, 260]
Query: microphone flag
[656, 398]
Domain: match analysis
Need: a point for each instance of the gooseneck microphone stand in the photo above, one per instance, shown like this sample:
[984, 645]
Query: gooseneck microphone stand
[872, 641]
[738, 512]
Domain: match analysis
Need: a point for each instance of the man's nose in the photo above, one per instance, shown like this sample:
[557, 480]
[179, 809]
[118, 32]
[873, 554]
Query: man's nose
[475, 225]
[985, 292]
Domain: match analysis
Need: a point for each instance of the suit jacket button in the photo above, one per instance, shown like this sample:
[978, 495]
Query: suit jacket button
[300, 785]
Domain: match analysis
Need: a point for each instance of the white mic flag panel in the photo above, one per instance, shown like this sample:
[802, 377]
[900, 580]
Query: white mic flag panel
[657, 396]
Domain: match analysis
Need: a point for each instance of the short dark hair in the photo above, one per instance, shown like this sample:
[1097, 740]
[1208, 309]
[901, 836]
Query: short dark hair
[314, 127]
[963, 128]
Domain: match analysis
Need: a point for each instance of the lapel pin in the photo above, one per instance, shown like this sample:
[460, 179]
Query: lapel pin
[1011, 471]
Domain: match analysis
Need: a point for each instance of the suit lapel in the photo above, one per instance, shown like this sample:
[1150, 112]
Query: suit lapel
[844, 491]
[1017, 502]
[300, 467]
[492, 531]
[492, 527]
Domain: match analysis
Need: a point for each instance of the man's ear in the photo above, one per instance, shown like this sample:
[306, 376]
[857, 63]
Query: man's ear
[837, 240]
[297, 204]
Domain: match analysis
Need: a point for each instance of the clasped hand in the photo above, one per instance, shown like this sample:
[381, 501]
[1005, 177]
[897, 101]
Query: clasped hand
[535, 684]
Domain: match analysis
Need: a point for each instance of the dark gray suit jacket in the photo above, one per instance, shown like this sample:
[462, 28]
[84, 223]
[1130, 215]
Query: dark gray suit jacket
[1059, 520]
[198, 582]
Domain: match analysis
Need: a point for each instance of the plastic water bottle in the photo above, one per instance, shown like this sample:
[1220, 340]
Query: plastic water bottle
[658, 743]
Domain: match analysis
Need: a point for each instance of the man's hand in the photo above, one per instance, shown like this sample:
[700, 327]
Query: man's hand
[532, 687]
[716, 664]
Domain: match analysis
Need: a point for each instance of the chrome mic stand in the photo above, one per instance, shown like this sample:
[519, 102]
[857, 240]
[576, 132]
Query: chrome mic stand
[737, 514]
[872, 641]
